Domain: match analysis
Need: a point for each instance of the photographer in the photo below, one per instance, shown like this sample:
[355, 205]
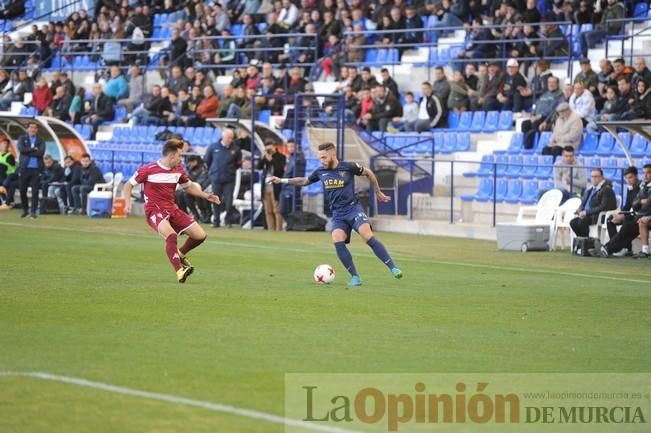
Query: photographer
[272, 164]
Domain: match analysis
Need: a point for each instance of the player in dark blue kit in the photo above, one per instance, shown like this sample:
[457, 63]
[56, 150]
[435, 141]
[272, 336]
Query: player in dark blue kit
[338, 178]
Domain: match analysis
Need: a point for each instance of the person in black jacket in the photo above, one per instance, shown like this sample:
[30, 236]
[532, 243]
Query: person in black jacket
[290, 194]
[597, 198]
[640, 208]
[72, 176]
[31, 148]
[386, 108]
[101, 109]
[641, 107]
[198, 207]
[272, 163]
[90, 174]
[8, 174]
[53, 173]
[430, 111]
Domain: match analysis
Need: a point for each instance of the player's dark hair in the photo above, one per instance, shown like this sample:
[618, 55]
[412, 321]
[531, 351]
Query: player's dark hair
[85, 155]
[427, 83]
[172, 145]
[630, 170]
[569, 149]
[600, 171]
[647, 167]
[68, 157]
[326, 146]
[624, 78]
[620, 61]
[32, 123]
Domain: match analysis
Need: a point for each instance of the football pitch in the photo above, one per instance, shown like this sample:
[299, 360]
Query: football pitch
[97, 300]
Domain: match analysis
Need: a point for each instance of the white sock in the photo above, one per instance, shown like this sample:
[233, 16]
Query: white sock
[645, 249]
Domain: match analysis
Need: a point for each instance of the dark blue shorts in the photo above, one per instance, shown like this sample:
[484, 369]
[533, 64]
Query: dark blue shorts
[350, 220]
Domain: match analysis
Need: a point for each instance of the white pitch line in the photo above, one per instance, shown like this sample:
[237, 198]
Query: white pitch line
[401, 257]
[208, 405]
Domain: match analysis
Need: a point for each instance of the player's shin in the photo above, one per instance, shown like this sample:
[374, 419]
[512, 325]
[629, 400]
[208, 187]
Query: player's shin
[190, 244]
[345, 257]
[172, 251]
[381, 252]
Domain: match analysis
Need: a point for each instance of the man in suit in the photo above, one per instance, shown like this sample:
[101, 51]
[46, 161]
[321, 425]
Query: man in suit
[101, 109]
[597, 198]
[32, 149]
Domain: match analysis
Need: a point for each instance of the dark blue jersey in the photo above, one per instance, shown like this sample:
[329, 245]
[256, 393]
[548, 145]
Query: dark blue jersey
[339, 185]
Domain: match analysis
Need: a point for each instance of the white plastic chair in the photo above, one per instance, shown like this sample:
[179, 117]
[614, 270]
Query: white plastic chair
[244, 204]
[543, 212]
[117, 183]
[598, 230]
[564, 214]
[107, 185]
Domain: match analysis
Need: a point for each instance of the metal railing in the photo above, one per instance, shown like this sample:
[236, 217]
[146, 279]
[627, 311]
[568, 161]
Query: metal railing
[623, 36]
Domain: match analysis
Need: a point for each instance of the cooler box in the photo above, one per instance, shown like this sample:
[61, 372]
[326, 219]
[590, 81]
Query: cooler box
[522, 237]
[100, 204]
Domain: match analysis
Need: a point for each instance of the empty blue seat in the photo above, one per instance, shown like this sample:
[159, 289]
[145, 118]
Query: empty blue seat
[505, 122]
[641, 9]
[449, 143]
[515, 192]
[638, 146]
[485, 167]
[545, 186]
[492, 119]
[453, 119]
[611, 170]
[515, 147]
[606, 143]
[465, 120]
[502, 164]
[543, 141]
[617, 148]
[545, 167]
[530, 167]
[264, 116]
[484, 192]
[515, 166]
[502, 189]
[463, 142]
[478, 121]
[589, 145]
[530, 192]
[370, 56]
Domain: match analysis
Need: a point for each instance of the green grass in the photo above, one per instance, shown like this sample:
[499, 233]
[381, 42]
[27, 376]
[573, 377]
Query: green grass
[98, 300]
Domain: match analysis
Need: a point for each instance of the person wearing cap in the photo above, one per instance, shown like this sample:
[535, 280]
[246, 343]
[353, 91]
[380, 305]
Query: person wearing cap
[587, 76]
[568, 131]
[514, 82]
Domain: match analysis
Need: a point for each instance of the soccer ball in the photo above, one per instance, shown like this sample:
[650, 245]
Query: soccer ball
[324, 274]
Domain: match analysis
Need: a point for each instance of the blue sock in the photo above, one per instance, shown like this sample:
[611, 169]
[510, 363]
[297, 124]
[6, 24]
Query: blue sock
[345, 257]
[381, 252]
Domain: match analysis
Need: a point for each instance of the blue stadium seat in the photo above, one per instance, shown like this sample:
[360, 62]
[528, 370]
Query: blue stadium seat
[478, 121]
[28, 111]
[530, 167]
[543, 141]
[617, 148]
[506, 121]
[439, 141]
[545, 186]
[515, 166]
[611, 170]
[449, 143]
[517, 140]
[530, 192]
[638, 146]
[433, 55]
[545, 167]
[502, 164]
[264, 116]
[641, 9]
[465, 120]
[590, 143]
[370, 56]
[492, 120]
[606, 143]
[484, 192]
[453, 119]
[382, 56]
[515, 192]
[485, 167]
[502, 189]
[463, 142]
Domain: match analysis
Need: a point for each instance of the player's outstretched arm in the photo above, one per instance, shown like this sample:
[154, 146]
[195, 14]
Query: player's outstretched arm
[195, 190]
[298, 181]
[376, 186]
[126, 193]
